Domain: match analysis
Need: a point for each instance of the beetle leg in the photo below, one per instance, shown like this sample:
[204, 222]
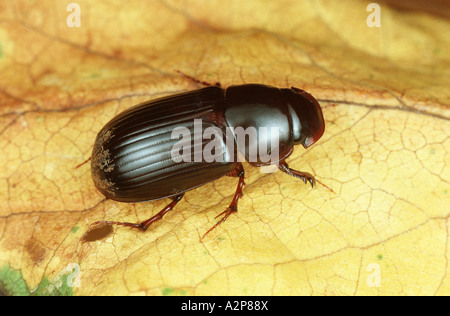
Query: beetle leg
[144, 225]
[217, 84]
[305, 176]
[237, 172]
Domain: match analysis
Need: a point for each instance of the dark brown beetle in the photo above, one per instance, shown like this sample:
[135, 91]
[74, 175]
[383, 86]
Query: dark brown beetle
[133, 157]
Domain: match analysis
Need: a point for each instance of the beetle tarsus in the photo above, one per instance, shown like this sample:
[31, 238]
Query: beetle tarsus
[237, 172]
[305, 176]
[127, 224]
[325, 186]
[146, 224]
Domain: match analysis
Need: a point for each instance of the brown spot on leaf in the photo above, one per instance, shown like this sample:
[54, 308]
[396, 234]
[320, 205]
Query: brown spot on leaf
[35, 250]
[97, 233]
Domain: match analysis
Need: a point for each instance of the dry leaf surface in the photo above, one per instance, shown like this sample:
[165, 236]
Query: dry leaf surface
[385, 151]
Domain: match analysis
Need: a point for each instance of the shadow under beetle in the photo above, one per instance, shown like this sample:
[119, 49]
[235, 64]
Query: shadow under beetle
[132, 156]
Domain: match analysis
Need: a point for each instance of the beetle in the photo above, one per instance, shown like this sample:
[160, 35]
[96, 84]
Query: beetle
[132, 158]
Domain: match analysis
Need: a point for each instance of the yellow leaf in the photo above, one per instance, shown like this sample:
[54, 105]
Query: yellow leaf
[385, 151]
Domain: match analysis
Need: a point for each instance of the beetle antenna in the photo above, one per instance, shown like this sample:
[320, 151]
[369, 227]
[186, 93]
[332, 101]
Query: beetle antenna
[198, 81]
[79, 165]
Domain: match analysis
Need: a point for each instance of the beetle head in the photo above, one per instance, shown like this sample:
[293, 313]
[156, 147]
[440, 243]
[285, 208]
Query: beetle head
[306, 116]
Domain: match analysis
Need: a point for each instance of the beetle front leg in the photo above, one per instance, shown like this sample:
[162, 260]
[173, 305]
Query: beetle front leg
[144, 225]
[305, 176]
[237, 172]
